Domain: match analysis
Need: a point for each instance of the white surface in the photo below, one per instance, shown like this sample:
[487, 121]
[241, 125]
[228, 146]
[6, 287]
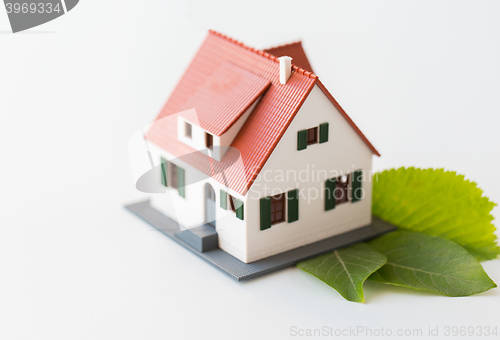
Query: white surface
[420, 79]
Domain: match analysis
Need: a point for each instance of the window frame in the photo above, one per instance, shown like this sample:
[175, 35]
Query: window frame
[209, 141]
[188, 130]
[345, 187]
[173, 176]
[232, 206]
[312, 132]
[279, 198]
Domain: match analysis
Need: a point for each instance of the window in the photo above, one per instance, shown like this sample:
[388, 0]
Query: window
[173, 179]
[342, 189]
[312, 135]
[232, 203]
[273, 209]
[176, 179]
[277, 209]
[209, 141]
[188, 130]
[235, 204]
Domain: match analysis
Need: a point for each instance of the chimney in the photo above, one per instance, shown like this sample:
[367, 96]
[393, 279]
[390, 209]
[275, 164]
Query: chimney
[285, 68]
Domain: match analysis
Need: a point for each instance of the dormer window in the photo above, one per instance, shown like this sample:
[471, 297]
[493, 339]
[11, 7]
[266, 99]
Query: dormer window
[199, 138]
[188, 130]
[209, 141]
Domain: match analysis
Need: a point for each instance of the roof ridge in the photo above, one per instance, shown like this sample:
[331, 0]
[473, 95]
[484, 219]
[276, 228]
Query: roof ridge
[264, 54]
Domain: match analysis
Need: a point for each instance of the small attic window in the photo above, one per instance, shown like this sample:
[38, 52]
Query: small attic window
[188, 130]
[209, 141]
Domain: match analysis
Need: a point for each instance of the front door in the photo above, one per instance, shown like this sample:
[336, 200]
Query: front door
[209, 205]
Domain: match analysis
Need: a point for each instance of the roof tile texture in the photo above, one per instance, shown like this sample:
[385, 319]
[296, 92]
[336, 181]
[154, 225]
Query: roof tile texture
[224, 97]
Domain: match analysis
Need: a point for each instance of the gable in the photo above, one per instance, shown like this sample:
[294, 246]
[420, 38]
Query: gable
[343, 152]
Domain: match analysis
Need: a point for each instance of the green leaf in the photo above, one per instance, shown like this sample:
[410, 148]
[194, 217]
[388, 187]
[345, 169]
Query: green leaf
[430, 263]
[439, 203]
[346, 269]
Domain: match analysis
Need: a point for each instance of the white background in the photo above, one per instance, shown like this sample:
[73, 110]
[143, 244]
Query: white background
[421, 79]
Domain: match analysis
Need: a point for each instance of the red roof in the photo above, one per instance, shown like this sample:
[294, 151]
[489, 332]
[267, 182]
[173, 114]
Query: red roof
[264, 127]
[224, 97]
[293, 50]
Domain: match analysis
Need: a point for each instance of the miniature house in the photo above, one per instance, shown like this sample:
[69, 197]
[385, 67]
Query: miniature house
[253, 147]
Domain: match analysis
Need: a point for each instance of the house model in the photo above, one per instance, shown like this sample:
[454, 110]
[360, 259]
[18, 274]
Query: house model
[256, 154]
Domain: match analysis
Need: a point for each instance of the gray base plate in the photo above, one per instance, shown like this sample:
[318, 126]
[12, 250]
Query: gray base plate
[243, 271]
[202, 238]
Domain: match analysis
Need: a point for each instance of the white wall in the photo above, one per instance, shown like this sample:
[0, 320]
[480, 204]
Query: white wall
[344, 152]
[189, 212]
[197, 140]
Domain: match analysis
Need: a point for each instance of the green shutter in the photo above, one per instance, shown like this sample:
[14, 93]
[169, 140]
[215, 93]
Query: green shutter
[181, 181]
[293, 205]
[330, 185]
[265, 213]
[223, 199]
[238, 205]
[301, 139]
[323, 132]
[163, 171]
[357, 191]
